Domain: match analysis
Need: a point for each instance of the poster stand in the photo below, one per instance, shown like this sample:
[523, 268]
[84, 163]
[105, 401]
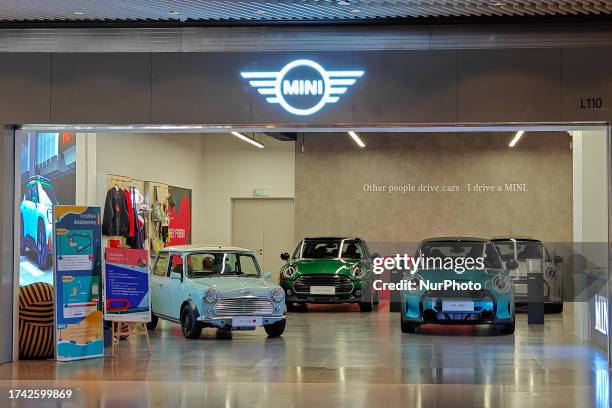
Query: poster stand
[127, 302]
[122, 328]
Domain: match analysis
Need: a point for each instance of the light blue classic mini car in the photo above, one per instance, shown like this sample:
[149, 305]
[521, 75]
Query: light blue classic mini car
[458, 281]
[211, 286]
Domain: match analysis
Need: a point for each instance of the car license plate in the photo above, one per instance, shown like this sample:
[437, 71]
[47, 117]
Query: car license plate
[517, 274]
[457, 306]
[322, 290]
[246, 321]
[520, 288]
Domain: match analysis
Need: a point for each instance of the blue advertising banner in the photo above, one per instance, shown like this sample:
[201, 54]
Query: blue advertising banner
[126, 285]
[77, 281]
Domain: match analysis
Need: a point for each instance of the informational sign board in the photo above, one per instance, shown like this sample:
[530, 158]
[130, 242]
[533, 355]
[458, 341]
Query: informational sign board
[77, 281]
[126, 285]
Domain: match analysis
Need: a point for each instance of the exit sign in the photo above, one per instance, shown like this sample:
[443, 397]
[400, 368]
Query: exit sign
[261, 192]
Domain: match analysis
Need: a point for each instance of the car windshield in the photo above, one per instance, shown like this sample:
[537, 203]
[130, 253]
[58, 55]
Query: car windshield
[321, 248]
[331, 249]
[208, 264]
[50, 194]
[436, 252]
[524, 250]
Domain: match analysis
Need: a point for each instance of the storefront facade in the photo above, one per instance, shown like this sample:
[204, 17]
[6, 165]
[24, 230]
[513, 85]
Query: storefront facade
[402, 79]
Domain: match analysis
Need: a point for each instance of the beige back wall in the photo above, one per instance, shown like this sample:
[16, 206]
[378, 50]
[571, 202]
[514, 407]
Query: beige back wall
[332, 170]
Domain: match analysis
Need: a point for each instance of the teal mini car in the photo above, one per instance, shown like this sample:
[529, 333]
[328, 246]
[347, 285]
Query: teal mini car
[220, 287]
[458, 281]
[329, 270]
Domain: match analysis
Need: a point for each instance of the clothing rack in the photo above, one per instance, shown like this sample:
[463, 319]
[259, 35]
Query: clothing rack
[125, 183]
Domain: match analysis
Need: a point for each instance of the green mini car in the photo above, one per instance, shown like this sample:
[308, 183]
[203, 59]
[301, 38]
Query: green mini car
[329, 270]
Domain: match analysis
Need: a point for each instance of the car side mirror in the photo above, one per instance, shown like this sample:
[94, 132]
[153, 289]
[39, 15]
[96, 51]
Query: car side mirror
[285, 256]
[558, 259]
[512, 265]
[267, 276]
[175, 275]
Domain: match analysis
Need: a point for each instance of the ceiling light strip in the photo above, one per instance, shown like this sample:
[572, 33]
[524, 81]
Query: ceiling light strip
[248, 139]
[516, 138]
[356, 138]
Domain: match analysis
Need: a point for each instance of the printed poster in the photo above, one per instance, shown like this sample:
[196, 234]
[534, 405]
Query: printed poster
[126, 285]
[77, 282]
[179, 212]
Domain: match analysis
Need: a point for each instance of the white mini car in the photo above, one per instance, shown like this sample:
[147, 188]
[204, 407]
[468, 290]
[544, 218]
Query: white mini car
[524, 251]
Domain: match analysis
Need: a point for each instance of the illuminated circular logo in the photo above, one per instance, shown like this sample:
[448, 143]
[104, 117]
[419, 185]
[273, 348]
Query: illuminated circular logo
[302, 87]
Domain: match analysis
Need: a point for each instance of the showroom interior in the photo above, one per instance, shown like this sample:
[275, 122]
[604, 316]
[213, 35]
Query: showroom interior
[469, 143]
[268, 195]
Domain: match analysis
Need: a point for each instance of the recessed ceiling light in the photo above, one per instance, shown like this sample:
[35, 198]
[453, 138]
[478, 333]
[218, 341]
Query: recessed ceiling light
[78, 13]
[260, 12]
[344, 3]
[173, 13]
[355, 10]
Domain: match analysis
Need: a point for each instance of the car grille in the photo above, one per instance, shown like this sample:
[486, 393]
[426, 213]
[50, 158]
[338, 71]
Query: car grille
[342, 284]
[458, 294]
[244, 306]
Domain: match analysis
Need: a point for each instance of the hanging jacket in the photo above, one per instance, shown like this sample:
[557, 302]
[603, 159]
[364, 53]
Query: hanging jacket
[115, 220]
[128, 202]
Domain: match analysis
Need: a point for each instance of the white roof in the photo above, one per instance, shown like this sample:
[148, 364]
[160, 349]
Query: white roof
[198, 248]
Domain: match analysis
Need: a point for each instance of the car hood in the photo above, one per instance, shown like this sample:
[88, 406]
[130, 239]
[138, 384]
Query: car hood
[439, 275]
[324, 266]
[229, 286]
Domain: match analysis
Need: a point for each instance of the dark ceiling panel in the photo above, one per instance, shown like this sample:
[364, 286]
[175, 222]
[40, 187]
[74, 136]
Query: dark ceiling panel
[288, 10]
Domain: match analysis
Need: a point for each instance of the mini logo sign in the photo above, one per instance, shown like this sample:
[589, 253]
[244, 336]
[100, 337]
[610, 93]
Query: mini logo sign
[302, 87]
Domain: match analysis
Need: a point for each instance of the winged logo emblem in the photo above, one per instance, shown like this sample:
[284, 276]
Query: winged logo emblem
[302, 79]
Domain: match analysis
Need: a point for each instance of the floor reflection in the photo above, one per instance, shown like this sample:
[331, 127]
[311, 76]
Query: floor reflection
[334, 356]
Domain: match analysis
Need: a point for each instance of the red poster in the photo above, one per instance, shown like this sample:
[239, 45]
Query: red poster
[179, 212]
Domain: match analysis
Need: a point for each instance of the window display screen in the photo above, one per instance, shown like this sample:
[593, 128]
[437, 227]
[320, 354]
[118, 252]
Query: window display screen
[47, 172]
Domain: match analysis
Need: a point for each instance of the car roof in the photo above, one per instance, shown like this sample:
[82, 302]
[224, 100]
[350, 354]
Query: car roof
[457, 239]
[203, 248]
[331, 238]
[518, 238]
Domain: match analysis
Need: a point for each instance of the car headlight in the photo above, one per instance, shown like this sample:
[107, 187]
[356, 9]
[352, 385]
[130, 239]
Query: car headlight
[211, 295]
[415, 282]
[501, 283]
[289, 271]
[278, 295]
[357, 271]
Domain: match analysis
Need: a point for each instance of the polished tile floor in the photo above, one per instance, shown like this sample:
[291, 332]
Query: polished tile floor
[334, 357]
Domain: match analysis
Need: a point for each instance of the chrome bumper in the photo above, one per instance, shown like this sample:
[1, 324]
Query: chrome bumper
[206, 319]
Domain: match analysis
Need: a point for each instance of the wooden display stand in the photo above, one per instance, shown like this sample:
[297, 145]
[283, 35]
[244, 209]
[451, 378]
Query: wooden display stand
[120, 329]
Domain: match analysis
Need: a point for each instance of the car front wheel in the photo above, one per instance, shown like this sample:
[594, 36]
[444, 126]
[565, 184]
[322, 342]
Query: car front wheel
[366, 306]
[409, 327]
[41, 247]
[190, 327]
[506, 328]
[275, 329]
[153, 323]
[554, 307]
[22, 239]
